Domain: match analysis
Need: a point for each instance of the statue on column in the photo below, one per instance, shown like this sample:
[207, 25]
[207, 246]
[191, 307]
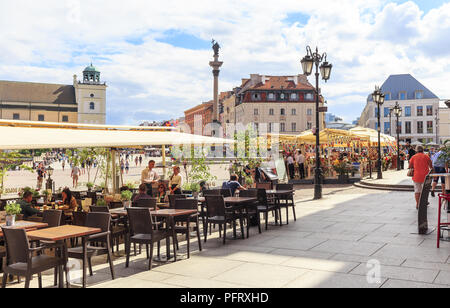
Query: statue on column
[215, 47]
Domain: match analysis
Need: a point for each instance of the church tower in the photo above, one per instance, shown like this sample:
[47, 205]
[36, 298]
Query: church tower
[90, 95]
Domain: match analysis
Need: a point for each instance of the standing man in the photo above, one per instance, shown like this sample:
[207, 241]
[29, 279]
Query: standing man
[440, 167]
[422, 165]
[300, 160]
[291, 166]
[411, 151]
[75, 175]
[149, 177]
[40, 177]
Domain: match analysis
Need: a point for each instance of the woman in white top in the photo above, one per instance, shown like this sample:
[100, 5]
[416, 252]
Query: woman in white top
[175, 182]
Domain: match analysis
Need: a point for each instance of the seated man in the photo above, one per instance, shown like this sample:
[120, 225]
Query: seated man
[233, 185]
[142, 193]
[27, 209]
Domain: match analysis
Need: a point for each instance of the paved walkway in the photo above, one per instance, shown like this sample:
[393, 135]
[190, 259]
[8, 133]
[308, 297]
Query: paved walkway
[330, 245]
[391, 177]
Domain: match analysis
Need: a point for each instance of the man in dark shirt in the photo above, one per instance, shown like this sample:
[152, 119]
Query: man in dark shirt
[142, 194]
[25, 204]
[411, 151]
[233, 185]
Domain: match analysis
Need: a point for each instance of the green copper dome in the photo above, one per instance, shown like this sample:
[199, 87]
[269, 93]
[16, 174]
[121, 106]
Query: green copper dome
[90, 68]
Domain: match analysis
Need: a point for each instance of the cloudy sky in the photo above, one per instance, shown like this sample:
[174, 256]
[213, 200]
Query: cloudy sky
[154, 55]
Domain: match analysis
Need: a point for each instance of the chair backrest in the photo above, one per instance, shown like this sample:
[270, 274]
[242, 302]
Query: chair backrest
[52, 218]
[76, 194]
[215, 206]
[115, 205]
[186, 204]
[17, 245]
[79, 219]
[212, 192]
[225, 192]
[146, 203]
[262, 197]
[173, 198]
[285, 186]
[99, 220]
[99, 209]
[267, 185]
[92, 195]
[140, 220]
[250, 193]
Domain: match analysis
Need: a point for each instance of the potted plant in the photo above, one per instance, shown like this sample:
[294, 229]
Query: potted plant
[101, 202]
[126, 198]
[343, 170]
[195, 188]
[249, 181]
[89, 186]
[46, 194]
[12, 210]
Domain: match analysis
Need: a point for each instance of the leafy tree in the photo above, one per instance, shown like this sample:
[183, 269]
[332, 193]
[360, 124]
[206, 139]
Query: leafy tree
[8, 161]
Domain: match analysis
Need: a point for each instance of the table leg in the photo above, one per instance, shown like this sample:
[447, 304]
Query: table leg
[83, 241]
[174, 234]
[66, 258]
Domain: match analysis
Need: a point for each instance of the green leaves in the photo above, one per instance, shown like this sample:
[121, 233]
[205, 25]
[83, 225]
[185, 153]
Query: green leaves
[13, 209]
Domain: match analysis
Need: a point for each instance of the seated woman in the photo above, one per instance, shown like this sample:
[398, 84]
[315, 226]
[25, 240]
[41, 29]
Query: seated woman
[162, 195]
[69, 202]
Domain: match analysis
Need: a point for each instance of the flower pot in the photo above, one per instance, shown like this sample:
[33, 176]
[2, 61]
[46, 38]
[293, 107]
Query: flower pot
[126, 204]
[343, 178]
[10, 220]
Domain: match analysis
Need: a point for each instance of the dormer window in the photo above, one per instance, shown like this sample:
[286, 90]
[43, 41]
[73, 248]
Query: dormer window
[294, 97]
[271, 97]
[419, 94]
[282, 96]
[387, 96]
[402, 96]
[309, 96]
[256, 97]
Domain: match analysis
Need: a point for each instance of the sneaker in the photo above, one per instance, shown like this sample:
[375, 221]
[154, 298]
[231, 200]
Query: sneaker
[433, 194]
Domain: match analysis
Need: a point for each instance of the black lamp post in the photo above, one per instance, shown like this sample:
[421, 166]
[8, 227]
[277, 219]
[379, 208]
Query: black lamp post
[398, 113]
[308, 62]
[50, 181]
[378, 98]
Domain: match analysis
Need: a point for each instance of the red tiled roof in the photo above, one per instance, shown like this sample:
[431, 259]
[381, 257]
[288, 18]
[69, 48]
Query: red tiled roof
[282, 83]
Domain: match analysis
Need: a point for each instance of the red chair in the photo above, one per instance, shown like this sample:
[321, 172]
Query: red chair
[440, 224]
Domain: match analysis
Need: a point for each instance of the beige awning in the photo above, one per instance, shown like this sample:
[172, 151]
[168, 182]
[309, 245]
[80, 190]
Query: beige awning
[26, 136]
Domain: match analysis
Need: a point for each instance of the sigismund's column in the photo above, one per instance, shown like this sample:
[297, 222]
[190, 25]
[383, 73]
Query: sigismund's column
[216, 64]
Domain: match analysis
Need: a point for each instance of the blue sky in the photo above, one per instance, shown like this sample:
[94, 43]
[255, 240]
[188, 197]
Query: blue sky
[154, 55]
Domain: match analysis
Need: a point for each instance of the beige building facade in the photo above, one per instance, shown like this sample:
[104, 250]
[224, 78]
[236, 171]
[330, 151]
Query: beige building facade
[82, 102]
[444, 121]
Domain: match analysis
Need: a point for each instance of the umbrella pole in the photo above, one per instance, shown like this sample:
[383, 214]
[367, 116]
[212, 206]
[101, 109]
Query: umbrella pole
[114, 171]
[164, 161]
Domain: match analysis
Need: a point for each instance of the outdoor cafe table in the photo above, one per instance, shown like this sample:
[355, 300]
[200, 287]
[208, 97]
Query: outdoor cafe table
[168, 214]
[60, 235]
[27, 225]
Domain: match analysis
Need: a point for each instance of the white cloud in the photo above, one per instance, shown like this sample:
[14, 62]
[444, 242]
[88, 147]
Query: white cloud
[50, 40]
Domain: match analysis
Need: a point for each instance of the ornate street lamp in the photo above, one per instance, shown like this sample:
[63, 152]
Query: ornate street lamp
[378, 98]
[308, 62]
[398, 113]
[50, 181]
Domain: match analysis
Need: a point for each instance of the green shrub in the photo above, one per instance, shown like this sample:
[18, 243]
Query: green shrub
[13, 209]
[126, 195]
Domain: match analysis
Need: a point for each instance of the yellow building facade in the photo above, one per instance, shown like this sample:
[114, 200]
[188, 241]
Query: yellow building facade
[82, 102]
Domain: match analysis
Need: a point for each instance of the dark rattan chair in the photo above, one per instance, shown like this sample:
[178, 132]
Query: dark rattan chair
[103, 222]
[188, 204]
[142, 232]
[287, 201]
[253, 216]
[20, 260]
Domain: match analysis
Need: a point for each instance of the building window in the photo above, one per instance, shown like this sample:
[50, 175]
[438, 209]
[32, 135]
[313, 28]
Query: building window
[271, 97]
[92, 95]
[294, 127]
[399, 127]
[309, 96]
[270, 127]
[282, 96]
[41, 117]
[271, 112]
[419, 94]
[387, 111]
[376, 112]
[282, 127]
[408, 127]
[309, 125]
[420, 127]
[407, 111]
[387, 96]
[387, 127]
[430, 127]
[294, 112]
[402, 96]
[429, 110]
[283, 111]
[65, 118]
[419, 111]
[92, 106]
[294, 97]
[16, 116]
[255, 112]
[309, 112]
[256, 96]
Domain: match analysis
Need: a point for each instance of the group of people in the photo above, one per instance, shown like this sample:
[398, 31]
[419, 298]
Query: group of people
[296, 164]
